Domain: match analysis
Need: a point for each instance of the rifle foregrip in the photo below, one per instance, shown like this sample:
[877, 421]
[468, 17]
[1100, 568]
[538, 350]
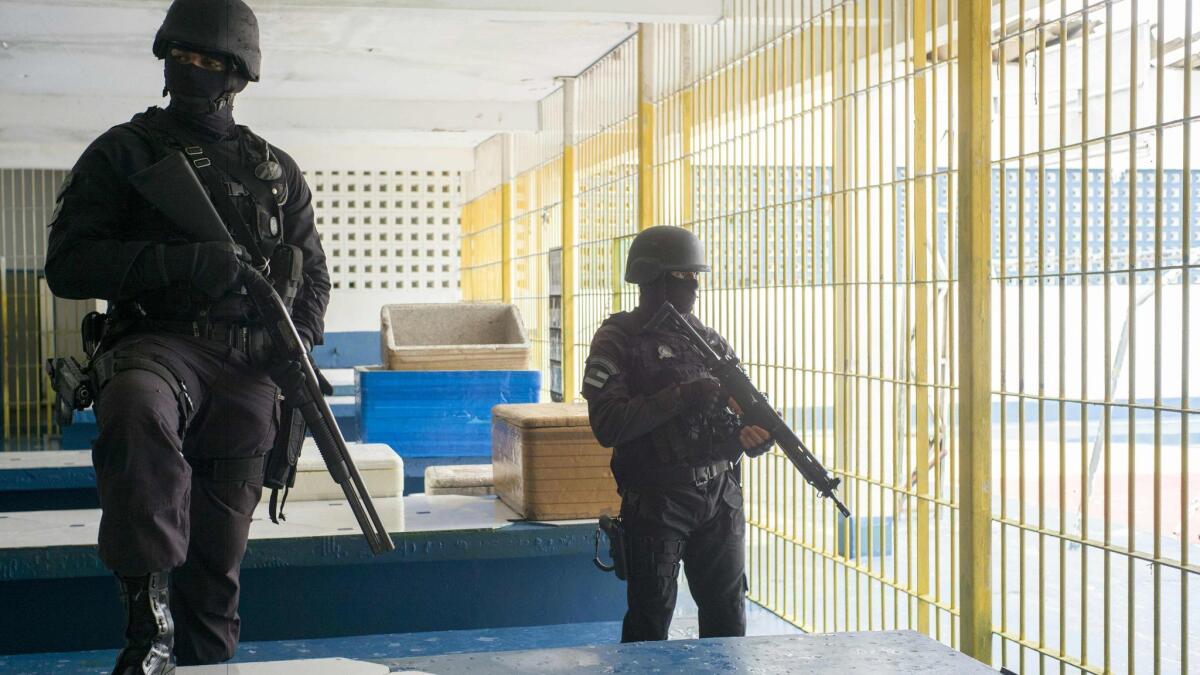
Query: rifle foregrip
[326, 444]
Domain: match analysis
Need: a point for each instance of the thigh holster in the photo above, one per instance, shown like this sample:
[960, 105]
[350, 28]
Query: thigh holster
[654, 557]
[107, 365]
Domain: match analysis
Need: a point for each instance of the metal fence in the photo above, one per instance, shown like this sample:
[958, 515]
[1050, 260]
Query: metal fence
[28, 312]
[958, 340]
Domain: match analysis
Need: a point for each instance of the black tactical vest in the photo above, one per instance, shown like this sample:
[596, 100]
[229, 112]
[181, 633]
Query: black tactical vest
[258, 205]
[656, 360]
[259, 202]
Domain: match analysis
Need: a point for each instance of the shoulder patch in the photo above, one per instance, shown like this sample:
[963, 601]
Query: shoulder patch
[598, 372]
[58, 198]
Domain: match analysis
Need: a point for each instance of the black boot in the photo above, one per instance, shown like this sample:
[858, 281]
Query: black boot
[149, 629]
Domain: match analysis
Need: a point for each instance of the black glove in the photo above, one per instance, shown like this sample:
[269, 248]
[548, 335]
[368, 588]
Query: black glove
[214, 267]
[700, 393]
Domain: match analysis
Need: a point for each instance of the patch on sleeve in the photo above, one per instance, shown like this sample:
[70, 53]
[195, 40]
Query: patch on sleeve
[598, 372]
[58, 199]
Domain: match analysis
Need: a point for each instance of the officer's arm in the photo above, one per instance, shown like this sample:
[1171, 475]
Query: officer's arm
[85, 257]
[308, 310]
[615, 415]
[754, 441]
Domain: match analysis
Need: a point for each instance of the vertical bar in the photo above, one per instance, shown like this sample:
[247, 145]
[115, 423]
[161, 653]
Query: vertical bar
[921, 302]
[687, 106]
[6, 391]
[645, 125]
[1108, 389]
[568, 239]
[974, 328]
[1131, 319]
[506, 184]
[1041, 333]
[1155, 567]
[1186, 274]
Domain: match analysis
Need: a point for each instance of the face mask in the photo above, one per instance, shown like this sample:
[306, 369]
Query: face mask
[203, 98]
[680, 292]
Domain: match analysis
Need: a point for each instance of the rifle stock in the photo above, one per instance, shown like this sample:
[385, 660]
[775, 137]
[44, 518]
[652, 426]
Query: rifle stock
[756, 410]
[172, 187]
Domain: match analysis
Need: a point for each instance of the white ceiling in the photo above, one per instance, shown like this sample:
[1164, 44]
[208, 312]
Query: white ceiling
[366, 81]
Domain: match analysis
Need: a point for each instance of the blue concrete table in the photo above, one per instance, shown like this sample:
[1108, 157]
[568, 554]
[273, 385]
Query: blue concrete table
[459, 563]
[862, 652]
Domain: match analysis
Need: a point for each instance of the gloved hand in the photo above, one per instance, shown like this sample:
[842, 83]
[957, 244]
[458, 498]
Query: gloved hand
[699, 394]
[214, 267]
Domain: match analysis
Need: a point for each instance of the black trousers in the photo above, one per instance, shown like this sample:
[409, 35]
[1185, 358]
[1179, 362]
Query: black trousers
[702, 527]
[159, 513]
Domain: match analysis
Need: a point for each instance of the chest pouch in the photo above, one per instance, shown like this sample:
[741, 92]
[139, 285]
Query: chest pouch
[287, 271]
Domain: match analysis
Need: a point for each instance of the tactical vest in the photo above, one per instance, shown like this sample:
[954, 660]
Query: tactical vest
[259, 202]
[254, 205]
[656, 360]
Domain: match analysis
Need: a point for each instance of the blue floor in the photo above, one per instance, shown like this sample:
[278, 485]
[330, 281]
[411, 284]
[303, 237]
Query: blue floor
[408, 645]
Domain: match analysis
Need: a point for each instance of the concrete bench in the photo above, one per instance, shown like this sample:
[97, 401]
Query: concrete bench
[460, 563]
[64, 479]
[461, 479]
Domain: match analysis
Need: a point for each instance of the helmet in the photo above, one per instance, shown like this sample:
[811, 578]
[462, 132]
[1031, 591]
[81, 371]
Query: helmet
[217, 26]
[661, 249]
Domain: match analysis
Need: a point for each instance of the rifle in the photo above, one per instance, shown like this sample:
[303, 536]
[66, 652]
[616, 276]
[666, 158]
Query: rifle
[756, 410]
[172, 187]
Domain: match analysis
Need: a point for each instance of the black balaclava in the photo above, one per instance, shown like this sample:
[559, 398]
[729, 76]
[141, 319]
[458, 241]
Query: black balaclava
[681, 292]
[202, 100]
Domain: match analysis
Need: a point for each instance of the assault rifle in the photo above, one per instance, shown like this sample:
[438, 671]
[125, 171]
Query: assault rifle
[756, 410]
[172, 187]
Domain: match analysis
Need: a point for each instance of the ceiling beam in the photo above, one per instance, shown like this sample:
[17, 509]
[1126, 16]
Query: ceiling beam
[97, 113]
[311, 155]
[630, 11]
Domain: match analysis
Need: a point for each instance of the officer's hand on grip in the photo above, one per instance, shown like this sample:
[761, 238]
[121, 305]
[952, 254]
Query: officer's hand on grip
[700, 392]
[755, 440]
[214, 267]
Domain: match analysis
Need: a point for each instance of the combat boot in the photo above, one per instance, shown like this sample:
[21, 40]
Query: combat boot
[149, 628]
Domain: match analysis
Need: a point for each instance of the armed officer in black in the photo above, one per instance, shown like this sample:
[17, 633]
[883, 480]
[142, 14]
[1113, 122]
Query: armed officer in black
[185, 410]
[676, 447]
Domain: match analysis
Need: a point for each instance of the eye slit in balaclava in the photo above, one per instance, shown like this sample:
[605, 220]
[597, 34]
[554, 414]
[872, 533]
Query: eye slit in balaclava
[681, 292]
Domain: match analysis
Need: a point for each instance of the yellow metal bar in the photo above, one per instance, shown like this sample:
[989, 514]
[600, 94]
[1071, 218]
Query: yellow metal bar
[687, 114]
[1185, 254]
[5, 389]
[974, 329]
[645, 127]
[687, 195]
[568, 264]
[6, 393]
[920, 288]
[506, 262]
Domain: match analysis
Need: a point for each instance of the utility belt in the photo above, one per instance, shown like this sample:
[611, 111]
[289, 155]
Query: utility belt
[233, 334]
[670, 476]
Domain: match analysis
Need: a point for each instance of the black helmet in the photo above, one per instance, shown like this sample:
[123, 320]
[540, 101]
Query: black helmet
[217, 26]
[660, 249]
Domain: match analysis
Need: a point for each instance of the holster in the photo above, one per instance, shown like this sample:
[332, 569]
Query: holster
[280, 472]
[618, 547]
